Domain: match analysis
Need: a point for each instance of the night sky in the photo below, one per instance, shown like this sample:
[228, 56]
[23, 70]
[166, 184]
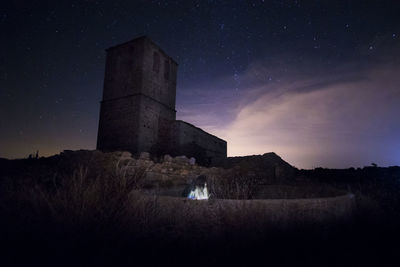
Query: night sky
[317, 82]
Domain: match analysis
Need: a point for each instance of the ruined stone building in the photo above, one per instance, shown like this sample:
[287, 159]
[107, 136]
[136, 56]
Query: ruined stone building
[137, 112]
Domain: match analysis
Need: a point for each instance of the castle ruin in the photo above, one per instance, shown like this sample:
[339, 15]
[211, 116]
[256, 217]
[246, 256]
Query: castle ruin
[137, 112]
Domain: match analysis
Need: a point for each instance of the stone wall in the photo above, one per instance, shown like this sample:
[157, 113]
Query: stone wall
[119, 121]
[159, 83]
[194, 142]
[152, 118]
[124, 70]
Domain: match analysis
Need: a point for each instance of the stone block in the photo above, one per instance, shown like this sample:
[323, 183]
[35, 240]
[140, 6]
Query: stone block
[167, 158]
[126, 155]
[181, 160]
[144, 156]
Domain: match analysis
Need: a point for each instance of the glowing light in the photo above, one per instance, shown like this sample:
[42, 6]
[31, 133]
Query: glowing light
[199, 193]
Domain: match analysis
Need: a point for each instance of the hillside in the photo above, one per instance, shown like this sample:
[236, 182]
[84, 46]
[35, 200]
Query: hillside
[269, 167]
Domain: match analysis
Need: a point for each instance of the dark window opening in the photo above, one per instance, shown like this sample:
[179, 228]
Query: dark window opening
[156, 62]
[166, 69]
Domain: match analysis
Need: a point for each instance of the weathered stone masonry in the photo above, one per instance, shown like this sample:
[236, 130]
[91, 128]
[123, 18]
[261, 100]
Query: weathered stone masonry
[138, 113]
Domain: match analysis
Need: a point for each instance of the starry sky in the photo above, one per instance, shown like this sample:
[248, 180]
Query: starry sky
[317, 82]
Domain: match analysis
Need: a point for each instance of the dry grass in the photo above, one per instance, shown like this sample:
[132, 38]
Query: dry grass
[82, 200]
[114, 203]
[233, 186]
[84, 205]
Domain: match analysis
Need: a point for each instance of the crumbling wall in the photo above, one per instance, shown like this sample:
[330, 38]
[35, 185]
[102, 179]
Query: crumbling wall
[194, 142]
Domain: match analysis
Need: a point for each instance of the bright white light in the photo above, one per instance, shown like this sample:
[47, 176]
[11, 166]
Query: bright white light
[199, 193]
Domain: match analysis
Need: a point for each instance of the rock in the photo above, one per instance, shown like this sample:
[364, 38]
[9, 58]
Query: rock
[192, 161]
[167, 158]
[144, 156]
[181, 160]
[125, 155]
[184, 172]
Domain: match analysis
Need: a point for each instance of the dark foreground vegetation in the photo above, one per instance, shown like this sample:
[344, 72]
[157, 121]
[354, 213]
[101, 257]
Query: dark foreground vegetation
[93, 212]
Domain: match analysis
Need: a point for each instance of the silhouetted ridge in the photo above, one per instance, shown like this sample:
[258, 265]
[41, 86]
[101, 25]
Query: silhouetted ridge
[268, 167]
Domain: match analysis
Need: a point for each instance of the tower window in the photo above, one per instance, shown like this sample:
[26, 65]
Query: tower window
[166, 69]
[156, 62]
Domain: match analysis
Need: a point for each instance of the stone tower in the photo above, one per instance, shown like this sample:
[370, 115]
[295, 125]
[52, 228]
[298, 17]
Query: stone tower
[138, 104]
[137, 113]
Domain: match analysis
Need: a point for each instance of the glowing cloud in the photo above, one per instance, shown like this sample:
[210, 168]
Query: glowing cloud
[341, 118]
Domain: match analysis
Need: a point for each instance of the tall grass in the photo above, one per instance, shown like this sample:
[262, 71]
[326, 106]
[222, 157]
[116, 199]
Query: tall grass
[82, 200]
[232, 186]
[85, 200]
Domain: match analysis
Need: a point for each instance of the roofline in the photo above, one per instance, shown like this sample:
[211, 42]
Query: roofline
[127, 42]
[200, 130]
[138, 38]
